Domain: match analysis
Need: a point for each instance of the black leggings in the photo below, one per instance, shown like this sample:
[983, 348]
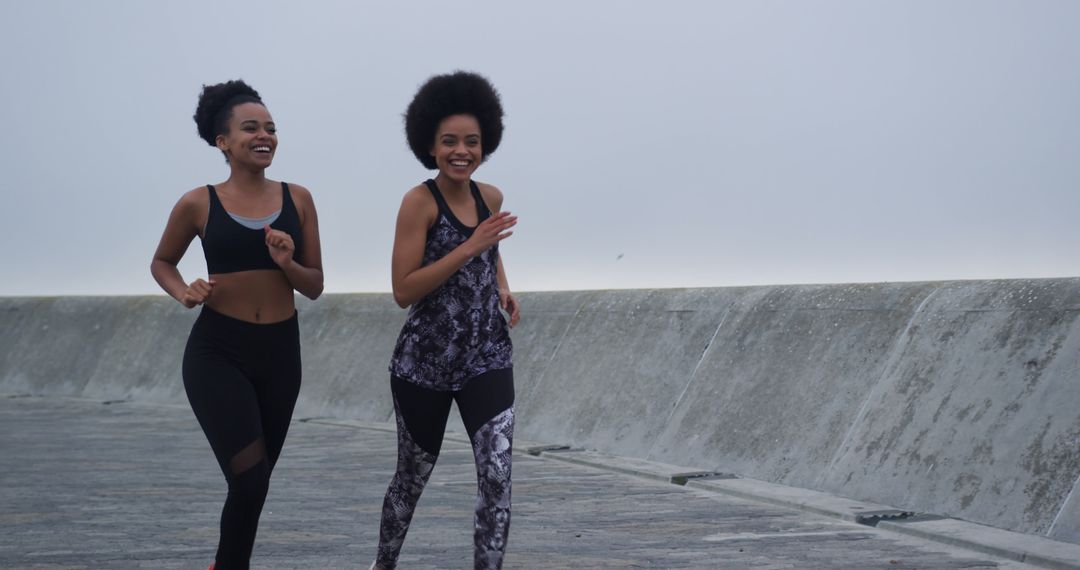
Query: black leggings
[242, 380]
[486, 404]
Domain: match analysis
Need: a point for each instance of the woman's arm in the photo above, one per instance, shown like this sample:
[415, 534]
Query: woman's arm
[182, 227]
[507, 301]
[307, 278]
[412, 280]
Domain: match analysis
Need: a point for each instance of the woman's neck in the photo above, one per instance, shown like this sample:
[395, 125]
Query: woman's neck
[247, 180]
[451, 186]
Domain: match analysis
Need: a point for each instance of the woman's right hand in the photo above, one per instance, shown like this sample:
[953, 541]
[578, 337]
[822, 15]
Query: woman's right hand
[490, 232]
[197, 293]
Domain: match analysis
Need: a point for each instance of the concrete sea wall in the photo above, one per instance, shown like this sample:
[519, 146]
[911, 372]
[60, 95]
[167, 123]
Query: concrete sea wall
[956, 398]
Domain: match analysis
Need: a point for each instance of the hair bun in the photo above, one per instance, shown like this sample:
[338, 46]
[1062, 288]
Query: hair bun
[215, 100]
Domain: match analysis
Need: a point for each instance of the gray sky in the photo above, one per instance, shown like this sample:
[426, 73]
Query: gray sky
[648, 144]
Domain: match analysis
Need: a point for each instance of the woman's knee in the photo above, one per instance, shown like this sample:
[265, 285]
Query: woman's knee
[250, 473]
[252, 485]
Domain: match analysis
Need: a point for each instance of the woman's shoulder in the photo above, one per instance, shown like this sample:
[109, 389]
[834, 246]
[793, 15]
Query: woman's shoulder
[192, 206]
[195, 198]
[418, 201]
[298, 191]
[301, 199]
[418, 195]
[491, 194]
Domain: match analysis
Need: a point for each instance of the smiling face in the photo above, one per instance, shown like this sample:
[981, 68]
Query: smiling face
[457, 149]
[251, 137]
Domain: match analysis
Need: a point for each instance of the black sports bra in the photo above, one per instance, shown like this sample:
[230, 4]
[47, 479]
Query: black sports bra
[230, 247]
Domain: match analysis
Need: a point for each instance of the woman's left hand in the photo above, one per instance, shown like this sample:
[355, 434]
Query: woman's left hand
[280, 245]
[509, 303]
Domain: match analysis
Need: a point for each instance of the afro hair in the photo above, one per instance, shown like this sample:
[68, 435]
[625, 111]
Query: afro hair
[215, 107]
[458, 93]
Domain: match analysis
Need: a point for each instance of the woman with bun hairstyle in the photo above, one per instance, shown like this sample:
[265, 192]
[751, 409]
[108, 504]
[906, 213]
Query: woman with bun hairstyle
[241, 367]
[455, 344]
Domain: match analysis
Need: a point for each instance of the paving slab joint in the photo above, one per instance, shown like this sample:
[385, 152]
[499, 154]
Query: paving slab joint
[684, 478]
[920, 517]
[560, 449]
[536, 450]
[872, 518]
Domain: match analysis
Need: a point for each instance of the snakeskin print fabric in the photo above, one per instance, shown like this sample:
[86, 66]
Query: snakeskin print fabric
[492, 453]
[491, 450]
[414, 468]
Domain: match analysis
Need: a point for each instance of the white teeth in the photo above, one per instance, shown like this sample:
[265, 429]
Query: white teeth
[262, 149]
[459, 163]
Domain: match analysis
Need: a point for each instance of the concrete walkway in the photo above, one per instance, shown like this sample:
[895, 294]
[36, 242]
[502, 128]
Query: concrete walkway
[121, 485]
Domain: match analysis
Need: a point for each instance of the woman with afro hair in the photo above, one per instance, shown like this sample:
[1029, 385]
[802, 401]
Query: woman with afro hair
[455, 344]
[241, 367]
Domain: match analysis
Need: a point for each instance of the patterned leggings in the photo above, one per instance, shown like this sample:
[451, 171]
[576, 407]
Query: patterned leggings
[487, 410]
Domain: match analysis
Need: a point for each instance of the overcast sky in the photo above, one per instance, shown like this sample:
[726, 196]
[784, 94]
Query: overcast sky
[647, 144]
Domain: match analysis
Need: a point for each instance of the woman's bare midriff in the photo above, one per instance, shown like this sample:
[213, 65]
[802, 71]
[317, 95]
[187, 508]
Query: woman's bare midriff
[259, 296]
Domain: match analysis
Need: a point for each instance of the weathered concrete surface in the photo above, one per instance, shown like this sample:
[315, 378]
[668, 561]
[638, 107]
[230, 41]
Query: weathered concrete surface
[91, 486]
[955, 398]
[978, 412]
[785, 377]
[346, 352]
[620, 367]
[94, 347]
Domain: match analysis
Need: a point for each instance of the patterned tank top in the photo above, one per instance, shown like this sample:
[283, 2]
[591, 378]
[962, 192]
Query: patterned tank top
[456, 332]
